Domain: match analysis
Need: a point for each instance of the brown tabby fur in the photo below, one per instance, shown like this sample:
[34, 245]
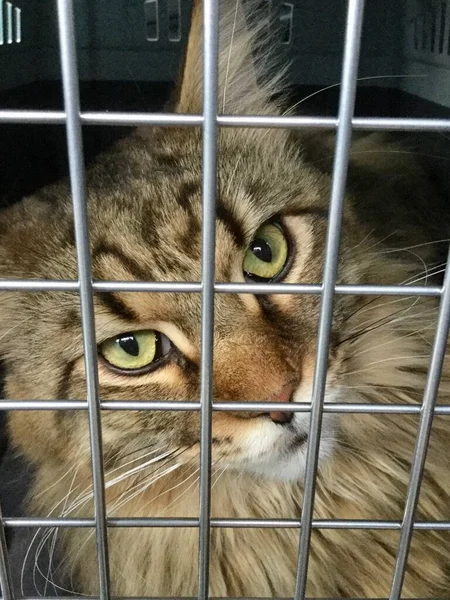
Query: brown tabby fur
[144, 201]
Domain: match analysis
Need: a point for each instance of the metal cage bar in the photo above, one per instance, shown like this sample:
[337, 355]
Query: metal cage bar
[191, 522]
[78, 187]
[423, 436]
[341, 158]
[42, 285]
[192, 598]
[155, 405]
[210, 92]
[56, 117]
[5, 572]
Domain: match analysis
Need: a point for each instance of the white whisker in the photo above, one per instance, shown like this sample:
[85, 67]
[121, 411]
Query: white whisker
[385, 360]
[49, 578]
[33, 540]
[144, 487]
[378, 242]
[218, 477]
[172, 488]
[227, 72]
[391, 250]
[182, 493]
[396, 339]
[329, 87]
[68, 472]
[137, 469]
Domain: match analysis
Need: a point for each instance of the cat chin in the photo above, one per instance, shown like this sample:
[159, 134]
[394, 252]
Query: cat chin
[278, 452]
[291, 468]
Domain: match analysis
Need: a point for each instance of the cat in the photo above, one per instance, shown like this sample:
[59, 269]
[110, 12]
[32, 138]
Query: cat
[144, 205]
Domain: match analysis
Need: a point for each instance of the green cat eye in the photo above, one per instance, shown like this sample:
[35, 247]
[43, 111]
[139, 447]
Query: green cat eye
[267, 254]
[135, 352]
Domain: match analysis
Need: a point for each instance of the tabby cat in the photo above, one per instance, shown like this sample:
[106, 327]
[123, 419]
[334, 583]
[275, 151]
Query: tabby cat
[144, 203]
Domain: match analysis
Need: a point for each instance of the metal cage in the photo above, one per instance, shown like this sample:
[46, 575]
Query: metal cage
[209, 121]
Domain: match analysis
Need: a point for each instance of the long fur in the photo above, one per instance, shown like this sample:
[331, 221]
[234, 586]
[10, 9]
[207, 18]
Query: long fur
[145, 221]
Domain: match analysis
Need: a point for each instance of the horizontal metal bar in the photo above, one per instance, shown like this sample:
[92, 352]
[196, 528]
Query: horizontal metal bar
[190, 522]
[42, 285]
[303, 407]
[138, 119]
[365, 123]
[345, 289]
[38, 285]
[176, 120]
[55, 117]
[44, 117]
[43, 405]
[141, 286]
[86, 597]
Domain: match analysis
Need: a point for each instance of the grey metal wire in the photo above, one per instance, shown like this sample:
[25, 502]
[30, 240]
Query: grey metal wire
[423, 437]
[225, 523]
[341, 159]
[174, 120]
[192, 598]
[6, 586]
[210, 93]
[31, 285]
[69, 72]
[155, 405]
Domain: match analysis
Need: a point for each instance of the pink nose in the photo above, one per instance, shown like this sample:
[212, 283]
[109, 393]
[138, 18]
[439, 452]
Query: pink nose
[284, 395]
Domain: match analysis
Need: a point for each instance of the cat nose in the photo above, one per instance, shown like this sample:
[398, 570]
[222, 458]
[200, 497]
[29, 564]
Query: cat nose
[284, 395]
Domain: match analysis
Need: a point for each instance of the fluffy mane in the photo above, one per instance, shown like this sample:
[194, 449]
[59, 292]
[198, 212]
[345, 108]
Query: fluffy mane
[250, 74]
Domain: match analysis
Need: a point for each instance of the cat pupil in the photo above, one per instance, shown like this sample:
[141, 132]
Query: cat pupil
[262, 250]
[129, 344]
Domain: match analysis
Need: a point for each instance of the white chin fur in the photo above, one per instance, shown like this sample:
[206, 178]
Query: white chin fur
[270, 450]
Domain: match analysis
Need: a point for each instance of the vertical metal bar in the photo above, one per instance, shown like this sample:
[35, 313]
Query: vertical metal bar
[18, 25]
[2, 34]
[343, 141]
[5, 573]
[210, 78]
[78, 186]
[423, 436]
[9, 23]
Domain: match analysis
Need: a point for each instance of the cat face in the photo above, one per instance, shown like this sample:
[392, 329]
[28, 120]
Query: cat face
[271, 225]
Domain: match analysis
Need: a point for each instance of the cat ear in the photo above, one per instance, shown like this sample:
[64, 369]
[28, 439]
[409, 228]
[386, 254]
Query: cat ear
[246, 81]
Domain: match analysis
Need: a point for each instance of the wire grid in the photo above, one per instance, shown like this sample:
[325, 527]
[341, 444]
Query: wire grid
[73, 119]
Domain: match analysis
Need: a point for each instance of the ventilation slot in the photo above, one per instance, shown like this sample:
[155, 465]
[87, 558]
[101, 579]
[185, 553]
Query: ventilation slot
[151, 14]
[287, 22]
[429, 31]
[174, 20]
[442, 28]
[10, 23]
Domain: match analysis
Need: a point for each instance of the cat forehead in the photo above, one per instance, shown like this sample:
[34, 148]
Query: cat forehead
[158, 180]
[145, 202]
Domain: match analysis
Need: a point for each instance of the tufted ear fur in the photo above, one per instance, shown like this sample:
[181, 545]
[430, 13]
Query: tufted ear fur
[246, 69]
